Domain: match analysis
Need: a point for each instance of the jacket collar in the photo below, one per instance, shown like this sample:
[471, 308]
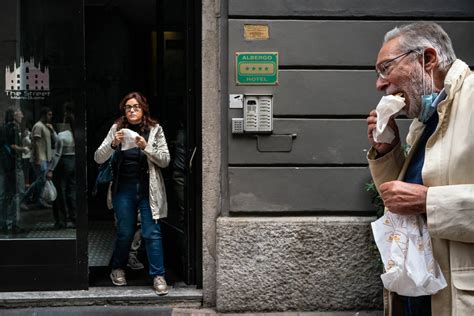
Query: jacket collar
[455, 76]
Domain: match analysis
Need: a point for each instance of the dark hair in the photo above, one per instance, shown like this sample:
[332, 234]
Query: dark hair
[68, 107]
[44, 111]
[69, 119]
[9, 115]
[147, 121]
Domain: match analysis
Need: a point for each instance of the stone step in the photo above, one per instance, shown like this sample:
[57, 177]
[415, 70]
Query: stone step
[146, 310]
[183, 297]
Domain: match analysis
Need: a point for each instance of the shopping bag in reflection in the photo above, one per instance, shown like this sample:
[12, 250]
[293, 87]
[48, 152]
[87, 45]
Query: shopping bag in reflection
[49, 192]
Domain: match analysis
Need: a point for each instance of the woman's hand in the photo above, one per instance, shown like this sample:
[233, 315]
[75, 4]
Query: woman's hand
[141, 142]
[117, 138]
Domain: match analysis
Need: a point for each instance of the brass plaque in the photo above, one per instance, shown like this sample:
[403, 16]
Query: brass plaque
[256, 32]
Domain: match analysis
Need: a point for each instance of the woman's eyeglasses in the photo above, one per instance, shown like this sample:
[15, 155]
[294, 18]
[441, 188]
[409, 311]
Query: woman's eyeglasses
[135, 107]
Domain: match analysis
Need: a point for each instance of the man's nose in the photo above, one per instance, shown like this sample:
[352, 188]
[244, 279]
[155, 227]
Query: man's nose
[381, 84]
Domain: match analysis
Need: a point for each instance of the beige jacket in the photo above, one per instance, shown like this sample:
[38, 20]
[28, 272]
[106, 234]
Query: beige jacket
[448, 171]
[158, 157]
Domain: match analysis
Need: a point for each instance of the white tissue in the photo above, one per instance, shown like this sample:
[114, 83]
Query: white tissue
[387, 107]
[405, 247]
[128, 140]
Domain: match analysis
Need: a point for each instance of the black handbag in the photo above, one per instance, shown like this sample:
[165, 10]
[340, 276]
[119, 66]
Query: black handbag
[105, 173]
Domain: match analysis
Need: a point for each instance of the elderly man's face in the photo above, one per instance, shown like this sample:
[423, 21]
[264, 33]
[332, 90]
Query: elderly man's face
[402, 75]
[18, 116]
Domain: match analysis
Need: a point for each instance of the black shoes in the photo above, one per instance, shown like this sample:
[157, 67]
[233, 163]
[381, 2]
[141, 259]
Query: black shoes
[14, 230]
[17, 230]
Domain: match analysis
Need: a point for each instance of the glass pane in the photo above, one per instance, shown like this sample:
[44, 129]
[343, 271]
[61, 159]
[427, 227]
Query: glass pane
[41, 52]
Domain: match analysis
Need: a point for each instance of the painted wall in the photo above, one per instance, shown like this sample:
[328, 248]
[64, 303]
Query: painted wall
[293, 226]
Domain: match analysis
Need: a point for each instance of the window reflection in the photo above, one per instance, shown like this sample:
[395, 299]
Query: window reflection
[30, 162]
[41, 54]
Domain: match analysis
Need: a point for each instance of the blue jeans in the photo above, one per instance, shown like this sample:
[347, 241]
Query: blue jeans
[126, 201]
[12, 188]
[64, 208]
[34, 191]
[3, 206]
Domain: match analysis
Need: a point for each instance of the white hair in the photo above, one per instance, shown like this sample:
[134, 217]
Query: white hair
[420, 35]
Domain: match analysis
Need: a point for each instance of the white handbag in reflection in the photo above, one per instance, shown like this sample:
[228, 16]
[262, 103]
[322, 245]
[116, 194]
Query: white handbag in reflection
[49, 193]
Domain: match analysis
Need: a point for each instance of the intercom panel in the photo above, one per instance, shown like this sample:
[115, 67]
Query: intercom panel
[258, 113]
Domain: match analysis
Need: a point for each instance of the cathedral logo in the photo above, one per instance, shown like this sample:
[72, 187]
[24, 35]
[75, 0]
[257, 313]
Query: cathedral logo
[27, 81]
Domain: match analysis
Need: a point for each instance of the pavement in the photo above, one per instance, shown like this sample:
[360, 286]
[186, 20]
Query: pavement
[146, 310]
[130, 300]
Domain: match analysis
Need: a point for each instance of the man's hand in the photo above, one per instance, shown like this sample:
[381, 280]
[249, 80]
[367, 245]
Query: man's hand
[404, 198]
[50, 126]
[381, 148]
[49, 175]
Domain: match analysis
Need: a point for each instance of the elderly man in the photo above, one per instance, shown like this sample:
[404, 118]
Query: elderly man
[15, 181]
[436, 178]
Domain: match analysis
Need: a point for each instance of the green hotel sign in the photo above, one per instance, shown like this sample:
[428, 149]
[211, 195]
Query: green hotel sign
[256, 68]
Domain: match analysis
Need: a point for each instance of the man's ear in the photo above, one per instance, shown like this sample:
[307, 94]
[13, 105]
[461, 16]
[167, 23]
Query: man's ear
[431, 59]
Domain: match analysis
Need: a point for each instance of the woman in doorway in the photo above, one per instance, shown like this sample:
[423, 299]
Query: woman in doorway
[140, 151]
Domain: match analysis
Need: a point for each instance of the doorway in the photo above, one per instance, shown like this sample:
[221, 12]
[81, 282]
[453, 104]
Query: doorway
[146, 46]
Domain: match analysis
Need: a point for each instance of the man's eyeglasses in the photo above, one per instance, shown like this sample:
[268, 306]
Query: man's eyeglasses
[382, 69]
[135, 107]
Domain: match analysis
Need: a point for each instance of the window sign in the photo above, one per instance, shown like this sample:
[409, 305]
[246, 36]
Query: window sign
[27, 81]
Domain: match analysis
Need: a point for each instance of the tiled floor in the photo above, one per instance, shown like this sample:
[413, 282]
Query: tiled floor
[101, 238]
[101, 243]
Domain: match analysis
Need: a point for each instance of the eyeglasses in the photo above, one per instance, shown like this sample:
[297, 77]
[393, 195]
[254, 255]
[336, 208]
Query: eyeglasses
[382, 69]
[135, 107]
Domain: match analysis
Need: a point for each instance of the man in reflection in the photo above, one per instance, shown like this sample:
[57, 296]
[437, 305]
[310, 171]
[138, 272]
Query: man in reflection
[43, 139]
[14, 178]
[3, 185]
[64, 166]
[179, 166]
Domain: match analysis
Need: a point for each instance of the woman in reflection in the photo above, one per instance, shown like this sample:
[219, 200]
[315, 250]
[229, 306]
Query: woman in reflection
[137, 185]
[63, 166]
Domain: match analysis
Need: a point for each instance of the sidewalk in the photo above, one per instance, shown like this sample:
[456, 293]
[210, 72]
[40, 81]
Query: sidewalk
[149, 310]
[130, 300]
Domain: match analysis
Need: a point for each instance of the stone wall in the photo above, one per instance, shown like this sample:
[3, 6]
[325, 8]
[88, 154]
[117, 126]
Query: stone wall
[297, 264]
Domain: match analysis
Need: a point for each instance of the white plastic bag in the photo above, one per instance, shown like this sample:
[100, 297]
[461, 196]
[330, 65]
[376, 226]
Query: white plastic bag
[49, 192]
[405, 248]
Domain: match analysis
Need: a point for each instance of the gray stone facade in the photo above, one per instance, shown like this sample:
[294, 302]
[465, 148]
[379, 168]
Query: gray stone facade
[296, 263]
